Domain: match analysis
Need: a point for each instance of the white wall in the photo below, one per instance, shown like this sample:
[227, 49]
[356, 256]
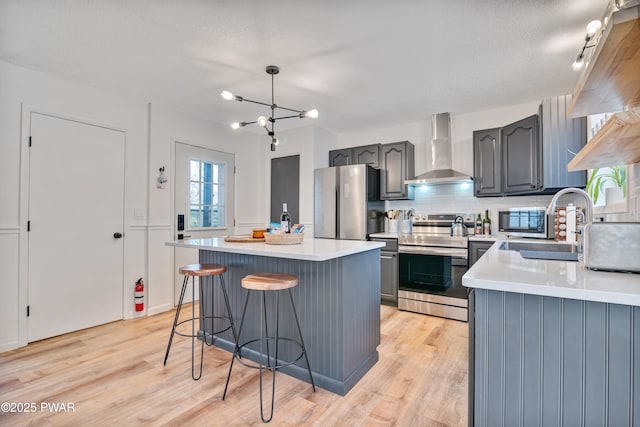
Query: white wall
[166, 128]
[150, 132]
[449, 197]
[24, 91]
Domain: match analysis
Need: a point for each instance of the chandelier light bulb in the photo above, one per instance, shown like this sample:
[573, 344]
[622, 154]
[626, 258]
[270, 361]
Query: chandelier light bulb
[235, 125]
[262, 121]
[577, 64]
[275, 141]
[227, 95]
[312, 113]
[593, 27]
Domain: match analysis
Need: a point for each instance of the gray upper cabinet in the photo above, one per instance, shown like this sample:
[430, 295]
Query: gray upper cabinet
[562, 138]
[397, 163]
[341, 157]
[367, 155]
[487, 162]
[363, 155]
[531, 155]
[521, 153]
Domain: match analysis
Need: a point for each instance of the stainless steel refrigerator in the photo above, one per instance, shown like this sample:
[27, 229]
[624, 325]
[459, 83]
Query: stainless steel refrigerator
[347, 202]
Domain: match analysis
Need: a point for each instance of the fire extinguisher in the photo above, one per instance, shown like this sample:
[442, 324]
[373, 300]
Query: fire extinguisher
[139, 295]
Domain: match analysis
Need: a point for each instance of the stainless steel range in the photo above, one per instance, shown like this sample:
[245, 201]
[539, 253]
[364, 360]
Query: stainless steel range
[431, 265]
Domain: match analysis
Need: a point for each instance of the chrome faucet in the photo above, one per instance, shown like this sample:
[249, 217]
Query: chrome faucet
[588, 214]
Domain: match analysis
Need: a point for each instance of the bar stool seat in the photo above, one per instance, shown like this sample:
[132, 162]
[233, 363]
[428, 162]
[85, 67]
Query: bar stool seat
[193, 271]
[268, 282]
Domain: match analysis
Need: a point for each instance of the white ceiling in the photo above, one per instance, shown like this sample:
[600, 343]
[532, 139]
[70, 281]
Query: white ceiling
[361, 63]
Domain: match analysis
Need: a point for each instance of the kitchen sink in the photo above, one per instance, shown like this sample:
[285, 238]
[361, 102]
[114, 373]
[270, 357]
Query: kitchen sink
[540, 250]
[538, 246]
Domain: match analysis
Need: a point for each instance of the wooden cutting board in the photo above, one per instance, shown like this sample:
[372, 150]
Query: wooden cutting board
[244, 238]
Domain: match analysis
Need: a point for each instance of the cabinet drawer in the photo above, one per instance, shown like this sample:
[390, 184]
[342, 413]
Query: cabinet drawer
[391, 245]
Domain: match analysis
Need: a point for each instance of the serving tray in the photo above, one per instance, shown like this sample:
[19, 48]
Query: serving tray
[244, 238]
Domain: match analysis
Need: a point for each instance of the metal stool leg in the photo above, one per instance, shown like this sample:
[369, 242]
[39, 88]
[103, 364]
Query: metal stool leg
[304, 349]
[193, 331]
[275, 361]
[175, 321]
[226, 302]
[235, 349]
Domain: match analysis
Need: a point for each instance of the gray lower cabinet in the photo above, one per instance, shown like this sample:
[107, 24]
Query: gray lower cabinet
[477, 249]
[487, 162]
[397, 164]
[363, 155]
[388, 270]
[549, 361]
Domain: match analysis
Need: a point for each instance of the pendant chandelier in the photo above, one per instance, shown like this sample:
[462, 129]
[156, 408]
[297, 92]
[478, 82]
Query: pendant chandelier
[265, 121]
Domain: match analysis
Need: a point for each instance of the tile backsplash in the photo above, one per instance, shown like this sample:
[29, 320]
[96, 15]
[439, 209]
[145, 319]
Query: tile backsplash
[458, 198]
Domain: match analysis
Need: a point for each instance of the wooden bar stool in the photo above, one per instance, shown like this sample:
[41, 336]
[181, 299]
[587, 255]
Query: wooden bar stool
[268, 282]
[200, 270]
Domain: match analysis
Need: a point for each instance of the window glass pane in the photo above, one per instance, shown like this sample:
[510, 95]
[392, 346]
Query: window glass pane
[216, 173]
[206, 195]
[194, 170]
[194, 193]
[194, 217]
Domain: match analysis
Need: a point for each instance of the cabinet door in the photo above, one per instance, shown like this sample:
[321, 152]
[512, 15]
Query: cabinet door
[476, 250]
[389, 276]
[396, 164]
[487, 162]
[521, 156]
[341, 157]
[562, 137]
[367, 155]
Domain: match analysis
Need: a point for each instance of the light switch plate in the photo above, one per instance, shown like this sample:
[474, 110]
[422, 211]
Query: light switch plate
[139, 214]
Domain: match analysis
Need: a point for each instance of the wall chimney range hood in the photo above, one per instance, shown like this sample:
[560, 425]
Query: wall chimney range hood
[441, 158]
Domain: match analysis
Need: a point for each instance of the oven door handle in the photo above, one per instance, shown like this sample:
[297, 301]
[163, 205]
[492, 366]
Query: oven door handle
[423, 250]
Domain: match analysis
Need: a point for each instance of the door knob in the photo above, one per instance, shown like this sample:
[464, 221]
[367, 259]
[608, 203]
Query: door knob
[117, 235]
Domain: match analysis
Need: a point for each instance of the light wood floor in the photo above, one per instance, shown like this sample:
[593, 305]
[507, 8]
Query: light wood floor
[113, 375]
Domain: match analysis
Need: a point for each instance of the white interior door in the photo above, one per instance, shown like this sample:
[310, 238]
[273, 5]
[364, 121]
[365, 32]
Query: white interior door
[76, 204]
[204, 196]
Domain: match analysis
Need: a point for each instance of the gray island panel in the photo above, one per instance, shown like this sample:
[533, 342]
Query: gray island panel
[553, 361]
[338, 305]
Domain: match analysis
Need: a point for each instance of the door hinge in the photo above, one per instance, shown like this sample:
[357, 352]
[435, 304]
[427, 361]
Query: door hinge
[29, 140]
[28, 311]
[234, 222]
[28, 225]
[234, 168]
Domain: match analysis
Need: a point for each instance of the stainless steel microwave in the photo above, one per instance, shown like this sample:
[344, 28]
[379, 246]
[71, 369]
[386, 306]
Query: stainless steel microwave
[525, 222]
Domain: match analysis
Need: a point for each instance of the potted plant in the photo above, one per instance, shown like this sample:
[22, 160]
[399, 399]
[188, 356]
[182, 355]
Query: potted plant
[617, 175]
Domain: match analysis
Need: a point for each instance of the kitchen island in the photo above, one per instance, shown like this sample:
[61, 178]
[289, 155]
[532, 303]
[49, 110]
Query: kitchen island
[552, 343]
[337, 300]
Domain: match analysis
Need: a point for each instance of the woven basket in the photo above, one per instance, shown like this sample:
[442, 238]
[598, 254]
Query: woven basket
[284, 238]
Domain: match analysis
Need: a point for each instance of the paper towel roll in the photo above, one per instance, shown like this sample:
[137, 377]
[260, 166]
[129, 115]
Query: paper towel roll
[571, 224]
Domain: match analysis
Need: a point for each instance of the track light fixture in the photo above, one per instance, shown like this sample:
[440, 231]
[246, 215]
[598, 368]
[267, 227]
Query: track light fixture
[263, 121]
[592, 29]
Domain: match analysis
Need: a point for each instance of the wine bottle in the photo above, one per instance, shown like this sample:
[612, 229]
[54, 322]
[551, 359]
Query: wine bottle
[486, 223]
[285, 219]
[478, 225]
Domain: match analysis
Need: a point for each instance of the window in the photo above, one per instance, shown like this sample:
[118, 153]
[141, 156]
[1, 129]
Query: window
[206, 194]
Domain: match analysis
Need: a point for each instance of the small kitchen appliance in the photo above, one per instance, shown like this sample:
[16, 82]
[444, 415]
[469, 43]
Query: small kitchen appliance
[525, 222]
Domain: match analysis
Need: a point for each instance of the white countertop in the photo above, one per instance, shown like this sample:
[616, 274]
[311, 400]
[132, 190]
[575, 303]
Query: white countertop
[484, 238]
[310, 249]
[504, 270]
